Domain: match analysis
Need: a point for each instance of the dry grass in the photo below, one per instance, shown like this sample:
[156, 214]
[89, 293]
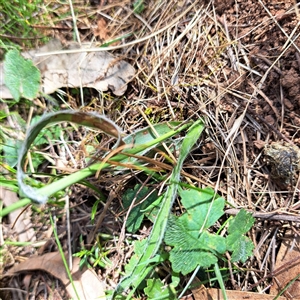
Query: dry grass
[193, 63]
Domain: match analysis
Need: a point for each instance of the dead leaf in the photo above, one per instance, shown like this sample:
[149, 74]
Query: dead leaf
[22, 223]
[288, 260]
[101, 30]
[86, 282]
[99, 70]
[216, 294]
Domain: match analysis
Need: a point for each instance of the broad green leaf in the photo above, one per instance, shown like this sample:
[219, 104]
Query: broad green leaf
[20, 76]
[193, 245]
[241, 223]
[191, 250]
[212, 242]
[193, 258]
[136, 215]
[203, 207]
[241, 246]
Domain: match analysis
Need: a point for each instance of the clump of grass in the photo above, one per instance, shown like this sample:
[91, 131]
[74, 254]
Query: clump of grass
[17, 18]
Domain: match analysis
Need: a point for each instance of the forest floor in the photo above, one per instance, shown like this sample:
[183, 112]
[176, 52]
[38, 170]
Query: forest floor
[236, 65]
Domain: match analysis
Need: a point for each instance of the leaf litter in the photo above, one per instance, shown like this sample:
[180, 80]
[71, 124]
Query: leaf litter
[99, 70]
[86, 283]
[216, 75]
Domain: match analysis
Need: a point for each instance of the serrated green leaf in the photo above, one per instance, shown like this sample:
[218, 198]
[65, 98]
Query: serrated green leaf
[201, 207]
[191, 250]
[241, 246]
[20, 76]
[241, 223]
[136, 216]
[193, 245]
[187, 261]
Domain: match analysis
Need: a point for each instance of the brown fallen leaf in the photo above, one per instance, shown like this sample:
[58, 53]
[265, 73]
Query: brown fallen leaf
[288, 262]
[21, 220]
[86, 282]
[99, 70]
[101, 30]
[203, 293]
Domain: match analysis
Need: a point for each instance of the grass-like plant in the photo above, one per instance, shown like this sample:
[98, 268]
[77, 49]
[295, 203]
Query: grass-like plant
[17, 18]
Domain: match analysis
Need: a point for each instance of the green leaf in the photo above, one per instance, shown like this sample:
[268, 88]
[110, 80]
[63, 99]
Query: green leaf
[11, 151]
[139, 249]
[9, 183]
[155, 290]
[138, 6]
[190, 250]
[193, 245]
[241, 246]
[203, 207]
[95, 210]
[241, 223]
[152, 210]
[136, 215]
[20, 76]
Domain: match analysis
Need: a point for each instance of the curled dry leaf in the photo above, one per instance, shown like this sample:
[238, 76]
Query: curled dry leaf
[86, 282]
[100, 70]
[90, 119]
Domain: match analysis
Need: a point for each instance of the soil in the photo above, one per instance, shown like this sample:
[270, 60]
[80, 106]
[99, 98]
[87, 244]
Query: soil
[243, 78]
[266, 43]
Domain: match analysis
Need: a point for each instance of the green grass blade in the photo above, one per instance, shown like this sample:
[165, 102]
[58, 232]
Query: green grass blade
[61, 251]
[220, 280]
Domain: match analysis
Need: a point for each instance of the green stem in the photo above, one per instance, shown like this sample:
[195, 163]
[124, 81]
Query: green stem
[65, 182]
[17, 205]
